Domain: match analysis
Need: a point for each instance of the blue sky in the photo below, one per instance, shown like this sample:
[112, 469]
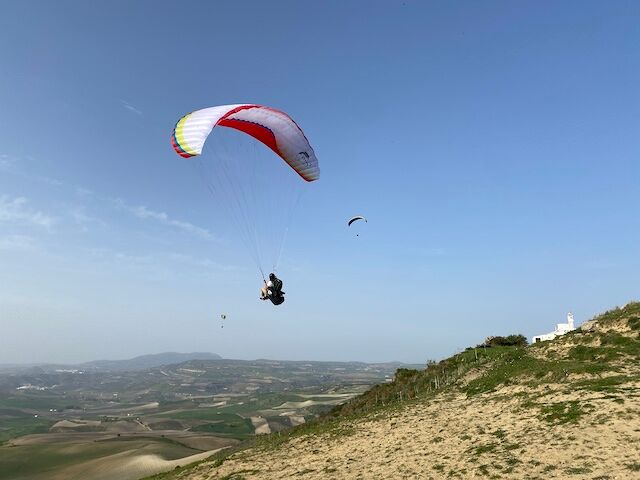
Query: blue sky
[493, 146]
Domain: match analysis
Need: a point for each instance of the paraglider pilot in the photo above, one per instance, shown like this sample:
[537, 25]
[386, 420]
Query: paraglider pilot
[272, 290]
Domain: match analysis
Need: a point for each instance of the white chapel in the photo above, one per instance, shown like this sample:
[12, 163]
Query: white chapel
[561, 329]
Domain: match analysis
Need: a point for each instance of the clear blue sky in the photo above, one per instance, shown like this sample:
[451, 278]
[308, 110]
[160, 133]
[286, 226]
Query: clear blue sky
[494, 147]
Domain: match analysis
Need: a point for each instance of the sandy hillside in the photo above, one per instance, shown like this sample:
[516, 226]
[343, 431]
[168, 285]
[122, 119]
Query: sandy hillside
[565, 409]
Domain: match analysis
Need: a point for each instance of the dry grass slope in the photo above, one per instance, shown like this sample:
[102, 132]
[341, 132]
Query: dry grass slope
[569, 408]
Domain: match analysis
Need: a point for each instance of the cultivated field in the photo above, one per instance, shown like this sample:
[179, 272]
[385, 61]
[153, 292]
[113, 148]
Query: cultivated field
[66, 423]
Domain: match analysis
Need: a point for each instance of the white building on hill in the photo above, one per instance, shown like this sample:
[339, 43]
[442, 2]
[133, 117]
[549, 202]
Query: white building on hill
[561, 329]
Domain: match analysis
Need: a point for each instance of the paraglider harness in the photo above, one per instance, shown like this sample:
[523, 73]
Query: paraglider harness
[275, 293]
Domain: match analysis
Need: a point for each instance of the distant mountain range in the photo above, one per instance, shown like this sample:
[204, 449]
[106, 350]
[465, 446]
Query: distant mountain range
[148, 361]
[142, 362]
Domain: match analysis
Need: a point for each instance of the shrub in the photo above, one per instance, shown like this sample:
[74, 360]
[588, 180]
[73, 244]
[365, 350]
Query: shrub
[405, 374]
[508, 341]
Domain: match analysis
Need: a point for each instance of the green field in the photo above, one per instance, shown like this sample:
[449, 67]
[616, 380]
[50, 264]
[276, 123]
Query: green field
[200, 414]
[143, 439]
[228, 424]
[233, 426]
[17, 426]
[35, 401]
[263, 402]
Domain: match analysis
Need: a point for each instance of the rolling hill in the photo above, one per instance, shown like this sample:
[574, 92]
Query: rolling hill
[568, 408]
[141, 362]
[144, 362]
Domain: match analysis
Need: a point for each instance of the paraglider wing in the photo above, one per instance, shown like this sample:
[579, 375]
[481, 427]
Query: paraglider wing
[354, 219]
[241, 176]
[273, 128]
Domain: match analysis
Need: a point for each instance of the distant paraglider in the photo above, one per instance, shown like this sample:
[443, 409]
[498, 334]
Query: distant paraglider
[223, 317]
[355, 219]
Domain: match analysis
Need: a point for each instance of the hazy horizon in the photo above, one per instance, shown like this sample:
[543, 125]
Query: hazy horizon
[187, 353]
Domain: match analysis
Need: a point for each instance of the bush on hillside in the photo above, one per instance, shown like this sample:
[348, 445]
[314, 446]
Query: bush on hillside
[509, 341]
[406, 374]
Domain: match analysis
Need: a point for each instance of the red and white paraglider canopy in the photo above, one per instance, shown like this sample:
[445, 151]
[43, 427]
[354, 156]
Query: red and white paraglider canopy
[272, 127]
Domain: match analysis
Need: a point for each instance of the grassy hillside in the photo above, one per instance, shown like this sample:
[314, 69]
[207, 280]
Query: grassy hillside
[569, 408]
